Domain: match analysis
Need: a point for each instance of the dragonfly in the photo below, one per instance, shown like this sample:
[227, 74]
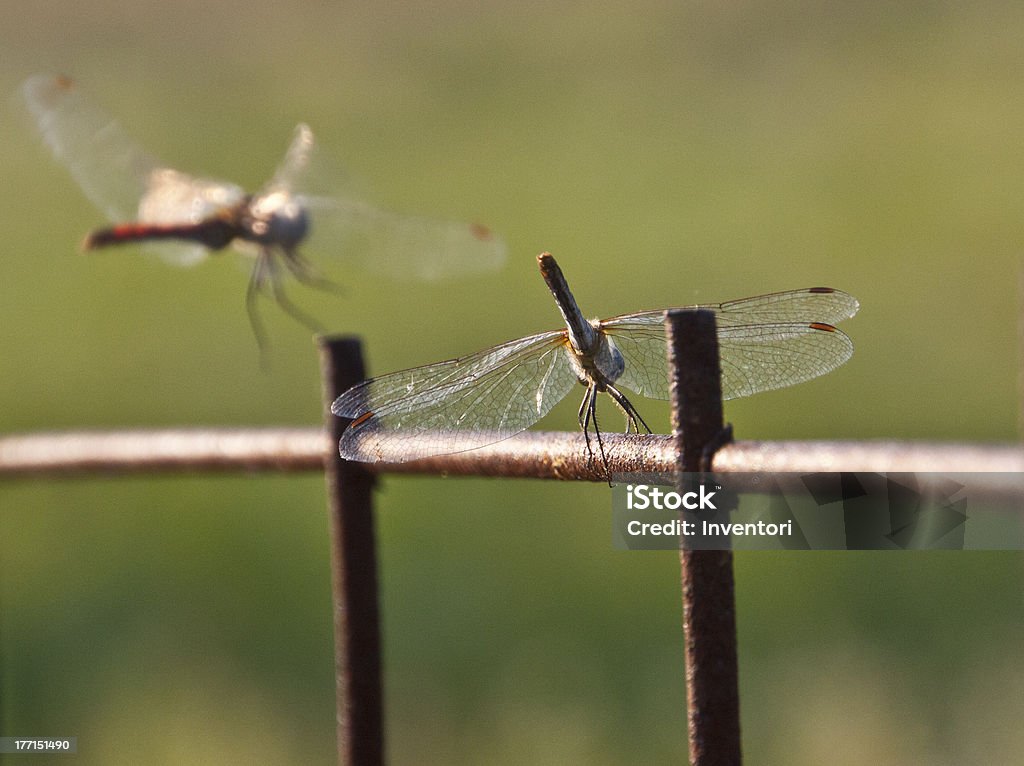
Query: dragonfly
[766, 342]
[187, 217]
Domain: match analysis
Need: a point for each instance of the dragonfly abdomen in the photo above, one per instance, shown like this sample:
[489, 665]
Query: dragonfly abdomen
[215, 233]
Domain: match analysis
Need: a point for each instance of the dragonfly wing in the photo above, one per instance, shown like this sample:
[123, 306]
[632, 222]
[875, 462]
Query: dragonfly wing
[401, 246]
[814, 304]
[758, 358]
[767, 342]
[456, 405]
[123, 180]
[297, 161]
[342, 225]
[175, 197]
[111, 168]
[640, 339]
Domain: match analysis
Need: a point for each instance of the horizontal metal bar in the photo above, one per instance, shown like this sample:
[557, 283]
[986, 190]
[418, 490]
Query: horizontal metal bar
[532, 454]
[166, 450]
[869, 456]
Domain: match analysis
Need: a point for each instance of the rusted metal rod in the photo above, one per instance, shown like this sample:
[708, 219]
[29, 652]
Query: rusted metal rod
[357, 635]
[532, 454]
[709, 600]
[163, 450]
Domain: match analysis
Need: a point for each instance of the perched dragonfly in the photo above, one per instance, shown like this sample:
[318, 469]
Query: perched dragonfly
[768, 342]
[189, 217]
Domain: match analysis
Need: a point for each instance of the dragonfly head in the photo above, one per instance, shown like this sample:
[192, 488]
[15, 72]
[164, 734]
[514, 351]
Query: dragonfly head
[276, 218]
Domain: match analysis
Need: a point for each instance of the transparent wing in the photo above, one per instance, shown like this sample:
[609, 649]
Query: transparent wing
[402, 246]
[175, 197]
[813, 304]
[119, 177]
[111, 168]
[456, 405]
[766, 342]
[297, 162]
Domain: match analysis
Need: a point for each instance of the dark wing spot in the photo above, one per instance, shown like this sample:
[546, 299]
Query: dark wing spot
[822, 326]
[361, 420]
[481, 232]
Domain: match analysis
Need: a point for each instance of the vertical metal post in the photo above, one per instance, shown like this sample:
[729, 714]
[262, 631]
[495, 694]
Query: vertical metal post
[357, 641]
[1020, 349]
[709, 602]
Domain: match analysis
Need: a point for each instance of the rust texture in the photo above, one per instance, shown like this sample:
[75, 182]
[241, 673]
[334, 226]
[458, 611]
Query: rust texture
[709, 601]
[357, 635]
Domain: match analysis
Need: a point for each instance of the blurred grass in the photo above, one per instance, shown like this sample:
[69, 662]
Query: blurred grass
[667, 154]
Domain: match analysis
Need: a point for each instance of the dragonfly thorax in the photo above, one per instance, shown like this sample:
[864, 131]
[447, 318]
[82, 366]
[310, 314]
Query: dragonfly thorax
[602, 365]
[275, 219]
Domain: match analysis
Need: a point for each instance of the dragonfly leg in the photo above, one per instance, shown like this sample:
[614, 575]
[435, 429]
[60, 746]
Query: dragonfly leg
[587, 415]
[273, 278]
[583, 418]
[252, 292]
[633, 417]
[600, 442]
[306, 273]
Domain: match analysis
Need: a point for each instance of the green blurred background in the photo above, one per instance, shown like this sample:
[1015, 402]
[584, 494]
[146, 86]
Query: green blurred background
[666, 153]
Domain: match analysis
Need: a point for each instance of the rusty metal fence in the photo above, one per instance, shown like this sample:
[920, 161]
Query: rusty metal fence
[707, 576]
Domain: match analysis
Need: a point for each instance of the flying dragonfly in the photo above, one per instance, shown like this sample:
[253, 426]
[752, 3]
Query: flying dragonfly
[766, 342]
[187, 217]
